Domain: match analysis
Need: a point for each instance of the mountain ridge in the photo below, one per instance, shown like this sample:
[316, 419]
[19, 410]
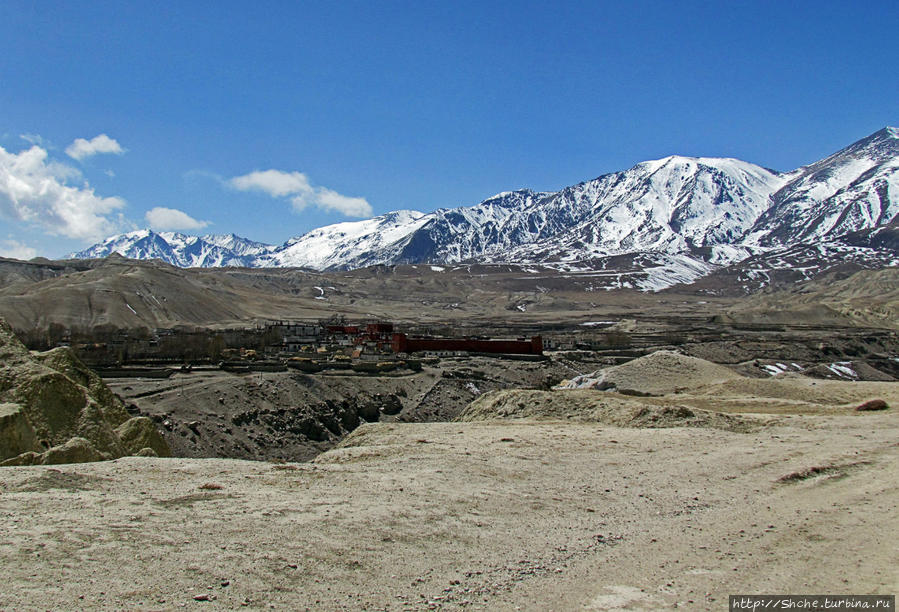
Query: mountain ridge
[709, 212]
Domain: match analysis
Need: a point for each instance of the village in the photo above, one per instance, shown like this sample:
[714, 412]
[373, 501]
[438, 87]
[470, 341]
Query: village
[309, 346]
[384, 347]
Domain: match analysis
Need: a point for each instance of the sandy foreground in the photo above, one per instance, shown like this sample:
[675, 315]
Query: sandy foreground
[495, 515]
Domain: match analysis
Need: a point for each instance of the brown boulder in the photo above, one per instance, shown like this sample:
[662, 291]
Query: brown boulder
[874, 404]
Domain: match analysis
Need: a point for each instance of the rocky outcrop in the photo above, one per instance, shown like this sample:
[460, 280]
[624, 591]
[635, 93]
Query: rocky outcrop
[65, 362]
[16, 434]
[76, 450]
[139, 434]
[58, 411]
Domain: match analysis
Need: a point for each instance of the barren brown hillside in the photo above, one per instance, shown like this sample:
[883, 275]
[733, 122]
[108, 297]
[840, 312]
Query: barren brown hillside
[129, 293]
[867, 298]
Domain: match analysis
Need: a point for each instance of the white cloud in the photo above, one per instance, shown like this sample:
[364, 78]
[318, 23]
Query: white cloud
[197, 175]
[161, 218]
[328, 199]
[280, 184]
[35, 139]
[34, 190]
[16, 250]
[273, 182]
[82, 148]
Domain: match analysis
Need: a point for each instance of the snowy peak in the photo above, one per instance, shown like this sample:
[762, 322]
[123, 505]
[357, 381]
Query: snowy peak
[885, 135]
[856, 188]
[345, 245]
[233, 242]
[140, 244]
[178, 249]
[457, 234]
[674, 205]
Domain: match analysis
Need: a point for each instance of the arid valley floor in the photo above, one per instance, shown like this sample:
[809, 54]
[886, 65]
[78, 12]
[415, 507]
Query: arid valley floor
[725, 455]
[483, 515]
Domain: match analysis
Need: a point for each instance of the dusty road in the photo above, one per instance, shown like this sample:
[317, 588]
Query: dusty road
[498, 516]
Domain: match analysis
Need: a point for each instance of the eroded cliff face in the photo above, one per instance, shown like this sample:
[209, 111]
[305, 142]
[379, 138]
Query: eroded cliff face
[55, 410]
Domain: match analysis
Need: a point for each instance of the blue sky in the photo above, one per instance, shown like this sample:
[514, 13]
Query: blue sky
[268, 119]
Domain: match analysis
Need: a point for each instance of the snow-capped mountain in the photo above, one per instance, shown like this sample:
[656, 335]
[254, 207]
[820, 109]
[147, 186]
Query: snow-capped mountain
[353, 244]
[672, 205]
[684, 216]
[235, 244]
[854, 189]
[180, 250]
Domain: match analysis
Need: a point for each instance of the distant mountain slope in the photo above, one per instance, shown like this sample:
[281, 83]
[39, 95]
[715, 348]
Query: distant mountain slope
[705, 213]
[784, 267]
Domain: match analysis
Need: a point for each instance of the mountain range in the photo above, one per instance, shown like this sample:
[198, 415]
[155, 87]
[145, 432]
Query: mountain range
[675, 219]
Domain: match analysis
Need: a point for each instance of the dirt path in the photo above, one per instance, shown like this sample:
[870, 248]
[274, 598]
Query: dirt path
[493, 516]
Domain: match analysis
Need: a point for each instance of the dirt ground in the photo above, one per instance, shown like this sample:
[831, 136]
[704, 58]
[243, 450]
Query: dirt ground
[294, 416]
[485, 516]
